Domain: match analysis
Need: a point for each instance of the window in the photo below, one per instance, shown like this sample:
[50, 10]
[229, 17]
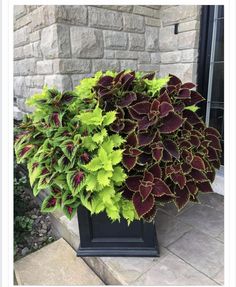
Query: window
[211, 67]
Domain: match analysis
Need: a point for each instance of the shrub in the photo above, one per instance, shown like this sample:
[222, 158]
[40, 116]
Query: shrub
[121, 143]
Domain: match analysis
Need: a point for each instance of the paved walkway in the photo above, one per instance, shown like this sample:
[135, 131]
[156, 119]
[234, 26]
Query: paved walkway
[191, 245]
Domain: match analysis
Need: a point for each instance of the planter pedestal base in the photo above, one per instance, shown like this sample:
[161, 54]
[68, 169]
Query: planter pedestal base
[100, 237]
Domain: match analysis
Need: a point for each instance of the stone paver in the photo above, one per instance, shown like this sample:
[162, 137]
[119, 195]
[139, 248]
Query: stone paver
[171, 209]
[213, 200]
[219, 278]
[204, 218]
[203, 252]
[55, 264]
[171, 270]
[169, 229]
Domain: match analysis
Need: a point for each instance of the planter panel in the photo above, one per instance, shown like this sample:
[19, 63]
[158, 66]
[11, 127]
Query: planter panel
[100, 237]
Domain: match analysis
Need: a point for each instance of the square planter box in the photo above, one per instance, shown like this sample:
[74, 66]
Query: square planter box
[100, 237]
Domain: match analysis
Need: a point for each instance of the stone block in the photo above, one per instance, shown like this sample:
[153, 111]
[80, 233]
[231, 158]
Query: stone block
[55, 41]
[45, 67]
[71, 66]
[23, 107]
[19, 87]
[35, 36]
[146, 11]
[144, 58]
[189, 26]
[126, 55]
[34, 81]
[122, 8]
[169, 228]
[71, 14]
[77, 78]
[23, 21]
[103, 18]
[208, 255]
[170, 270]
[28, 51]
[115, 40]
[189, 56]
[133, 23]
[19, 11]
[109, 54]
[61, 82]
[21, 36]
[25, 67]
[168, 41]
[86, 42]
[170, 57]
[18, 53]
[151, 38]
[152, 22]
[42, 17]
[148, 67]
[188, 40]
[55, 264]
[18, 115]
[37, 53]
[136, 42]
[155, 58]
[205, 219]
[186, 72]
[128, 64]
[175, 14]
[102, 64]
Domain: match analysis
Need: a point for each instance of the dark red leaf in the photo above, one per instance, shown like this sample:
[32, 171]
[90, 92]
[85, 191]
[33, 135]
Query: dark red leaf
[174, 80]
[155, 170]
[183, 94]
[129, 161]
[197, 163]
[157, 153]
[212, 131]
[133, 183]
[186, 168]
[172, 148]
[212, 154]
[166, 156]
[165, 108]
[188, 85]
[144, 123]
[215, 142]
[141, 107]
[192, 117]
[204, 186]
[142, 207]
[198, 175]
[179, 107]
[134, 115]
[191, 186]
[150, 215]
[129, 126]
[160, 188]
[149, 76]
[148, 177]
[178, 178]
[132, 140]
[164, 97]
[145, 138]
[211, 175]
[145, 191]
[105, 81]
[127, 193]
[182, 197]
[127, 99]
[194, 140]
[171, 123]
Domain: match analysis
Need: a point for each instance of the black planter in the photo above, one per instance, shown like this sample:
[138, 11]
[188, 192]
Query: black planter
[100, 237]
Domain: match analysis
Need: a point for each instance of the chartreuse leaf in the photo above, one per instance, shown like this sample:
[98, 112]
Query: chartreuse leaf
[35, 170]
[108, 145]
[117, 140]
[109, 118]
[102, 155]
[119, 175]
[99, 137]
[76, 181]
[88, 143]
[94, 165]
[94, 117]
[103, 177]
[128, 211]
[116, 156]
[91, 182]
[155, 85]
[192, 108]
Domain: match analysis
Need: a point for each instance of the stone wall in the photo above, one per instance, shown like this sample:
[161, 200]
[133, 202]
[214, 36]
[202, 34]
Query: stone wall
[179, 52]
[59, 45]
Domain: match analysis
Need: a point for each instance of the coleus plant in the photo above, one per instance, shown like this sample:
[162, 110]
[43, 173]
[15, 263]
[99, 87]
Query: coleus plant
[123, 143]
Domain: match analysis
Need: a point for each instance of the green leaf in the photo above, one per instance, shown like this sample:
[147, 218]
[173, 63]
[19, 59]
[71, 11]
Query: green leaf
[89, 144]
[119, 175]
[91, 182]
[192, 108]
[50, 204]
[98, 137]
[108, 146]
[109, 118]
[116, 156]
[117, 140]
[102, 155]
[34, 171]
[69, 211]
[128, 211]
[106, 194]
[108, 165]
[94, 165]
[103, 177]
[76, 181]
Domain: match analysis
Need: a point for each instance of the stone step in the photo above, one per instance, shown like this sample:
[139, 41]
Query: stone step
[55, 264]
